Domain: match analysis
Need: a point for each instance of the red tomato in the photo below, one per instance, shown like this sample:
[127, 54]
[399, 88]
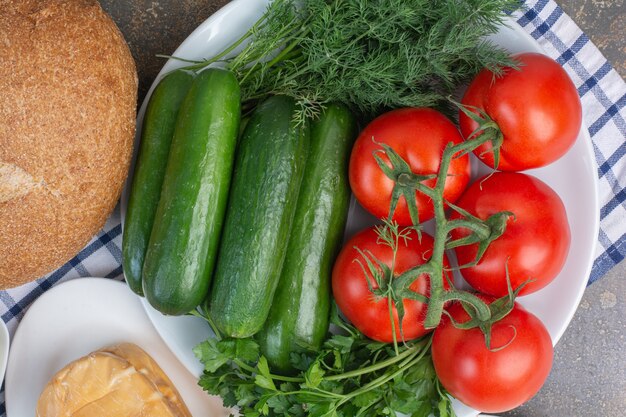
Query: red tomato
[370, 313]
[535, 243]
[419, 136]
[537, 109]
[488, 380]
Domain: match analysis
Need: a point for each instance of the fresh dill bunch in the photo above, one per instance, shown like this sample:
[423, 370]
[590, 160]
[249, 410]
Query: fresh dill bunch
[369, 54]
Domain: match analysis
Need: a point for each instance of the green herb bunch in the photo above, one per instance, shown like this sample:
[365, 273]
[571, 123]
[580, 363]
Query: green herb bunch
[350, 376]
[368, 54]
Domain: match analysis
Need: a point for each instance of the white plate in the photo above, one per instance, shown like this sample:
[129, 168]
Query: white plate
[572, 177]
[76, 318]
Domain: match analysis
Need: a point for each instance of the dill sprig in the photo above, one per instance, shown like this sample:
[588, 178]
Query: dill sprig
[369, 54]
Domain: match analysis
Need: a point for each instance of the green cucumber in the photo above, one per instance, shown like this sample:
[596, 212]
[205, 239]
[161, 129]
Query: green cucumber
[156, 137]
[299, 316]
[185, 236]
[268, 172]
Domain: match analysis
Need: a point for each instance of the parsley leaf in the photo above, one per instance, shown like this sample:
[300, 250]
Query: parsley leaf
[350, 376]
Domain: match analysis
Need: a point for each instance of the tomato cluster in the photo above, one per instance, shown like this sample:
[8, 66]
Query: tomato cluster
[532, 116]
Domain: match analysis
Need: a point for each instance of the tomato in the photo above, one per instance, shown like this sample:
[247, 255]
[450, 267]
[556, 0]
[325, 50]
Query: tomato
[419, 136]
[536, 240]
[536, 107]
[493, 380]
[370, 313]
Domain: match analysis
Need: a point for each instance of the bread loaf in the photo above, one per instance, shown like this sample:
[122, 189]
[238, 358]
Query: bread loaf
[67, 122]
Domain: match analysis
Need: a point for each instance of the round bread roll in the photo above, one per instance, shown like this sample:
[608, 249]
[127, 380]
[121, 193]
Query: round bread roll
[67, 123]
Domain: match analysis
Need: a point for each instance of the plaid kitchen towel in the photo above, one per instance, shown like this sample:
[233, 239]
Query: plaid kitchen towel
[603, 95]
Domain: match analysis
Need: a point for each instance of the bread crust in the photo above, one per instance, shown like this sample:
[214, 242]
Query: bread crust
[67, 124]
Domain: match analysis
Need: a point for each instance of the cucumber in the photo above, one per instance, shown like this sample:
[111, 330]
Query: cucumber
[156, 137]
[299, 316]
[268, 172]
[185, 236]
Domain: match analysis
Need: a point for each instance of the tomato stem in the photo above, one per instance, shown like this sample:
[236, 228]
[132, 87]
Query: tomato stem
[404, 280]
[482, 232]
[436, 304]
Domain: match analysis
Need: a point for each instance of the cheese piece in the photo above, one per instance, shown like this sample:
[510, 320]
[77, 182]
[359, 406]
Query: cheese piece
[108, 384]
[147, 366]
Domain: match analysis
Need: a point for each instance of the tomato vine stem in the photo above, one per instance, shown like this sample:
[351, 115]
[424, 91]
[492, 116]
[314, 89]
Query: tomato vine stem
[483, 232]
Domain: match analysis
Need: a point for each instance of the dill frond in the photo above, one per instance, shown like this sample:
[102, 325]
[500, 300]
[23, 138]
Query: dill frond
[370, 54]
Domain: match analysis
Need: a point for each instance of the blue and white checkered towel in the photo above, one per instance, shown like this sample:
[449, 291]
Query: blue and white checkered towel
[603, 95]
